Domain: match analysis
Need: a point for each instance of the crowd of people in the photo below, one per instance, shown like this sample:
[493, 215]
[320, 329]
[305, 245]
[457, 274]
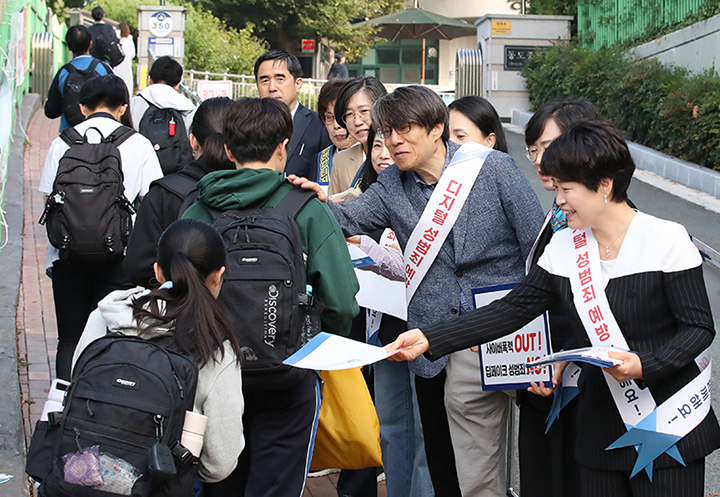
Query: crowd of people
[429, 192]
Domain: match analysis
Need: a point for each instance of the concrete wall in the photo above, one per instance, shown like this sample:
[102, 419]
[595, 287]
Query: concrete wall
[694, 47]
[509, 92]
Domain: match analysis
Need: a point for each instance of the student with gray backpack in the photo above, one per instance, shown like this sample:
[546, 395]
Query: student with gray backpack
[145, 359]
[93, 175]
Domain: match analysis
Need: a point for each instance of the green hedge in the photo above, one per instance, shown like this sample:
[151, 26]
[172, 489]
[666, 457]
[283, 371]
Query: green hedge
[666, 108]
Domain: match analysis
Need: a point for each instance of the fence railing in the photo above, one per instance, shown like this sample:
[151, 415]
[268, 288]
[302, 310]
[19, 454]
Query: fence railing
[243, 85]
[603, 23]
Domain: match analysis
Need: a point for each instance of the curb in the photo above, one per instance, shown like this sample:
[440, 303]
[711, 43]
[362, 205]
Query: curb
[682, 172]
[12, 432]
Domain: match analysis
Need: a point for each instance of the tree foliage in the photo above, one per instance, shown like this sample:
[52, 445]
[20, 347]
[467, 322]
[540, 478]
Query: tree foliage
[665, 108]
[286, 22]
[552, 7]
[210, 45]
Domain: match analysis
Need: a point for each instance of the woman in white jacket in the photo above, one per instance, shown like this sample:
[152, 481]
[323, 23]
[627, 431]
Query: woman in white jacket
[124, 69]
[191, 263]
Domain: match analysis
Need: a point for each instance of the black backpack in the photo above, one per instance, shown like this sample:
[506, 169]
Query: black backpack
[183, 186]
[122, 421]
[71, 91]
[264, 289]
[87, 214]
[111, 50]
[165, 128]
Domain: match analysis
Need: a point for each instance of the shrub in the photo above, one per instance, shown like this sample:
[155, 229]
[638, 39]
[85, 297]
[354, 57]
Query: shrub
[665, 108]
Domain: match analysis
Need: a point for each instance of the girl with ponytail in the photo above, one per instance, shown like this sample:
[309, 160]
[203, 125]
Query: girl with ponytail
[166, 198]
[184, 315]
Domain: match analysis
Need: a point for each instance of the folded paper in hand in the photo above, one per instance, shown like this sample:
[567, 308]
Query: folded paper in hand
[597, 356]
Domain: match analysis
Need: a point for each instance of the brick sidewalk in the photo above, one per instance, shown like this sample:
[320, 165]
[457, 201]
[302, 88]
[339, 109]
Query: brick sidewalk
[36, 326]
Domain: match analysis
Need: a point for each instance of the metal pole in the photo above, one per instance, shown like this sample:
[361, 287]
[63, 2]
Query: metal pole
[522, 7]
[422, 80]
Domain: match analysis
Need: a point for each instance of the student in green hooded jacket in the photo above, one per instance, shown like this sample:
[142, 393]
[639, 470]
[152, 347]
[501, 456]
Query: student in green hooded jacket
[279, 424]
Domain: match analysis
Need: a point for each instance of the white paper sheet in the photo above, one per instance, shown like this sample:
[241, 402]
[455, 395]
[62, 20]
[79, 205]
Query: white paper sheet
[326, 352]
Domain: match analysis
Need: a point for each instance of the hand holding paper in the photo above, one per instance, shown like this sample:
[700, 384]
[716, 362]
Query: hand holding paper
[326, 352]
[408, 346]
[597, 356]
[629, 369]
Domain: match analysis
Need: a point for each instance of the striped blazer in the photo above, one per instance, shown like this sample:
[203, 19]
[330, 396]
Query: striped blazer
[657, 294]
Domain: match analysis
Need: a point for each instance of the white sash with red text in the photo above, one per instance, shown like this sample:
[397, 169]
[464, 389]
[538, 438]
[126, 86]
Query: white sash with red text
[656, 428]
[441, 212]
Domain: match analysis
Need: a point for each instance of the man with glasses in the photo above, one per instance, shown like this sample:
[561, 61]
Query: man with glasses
[486, 246]
[278, 75]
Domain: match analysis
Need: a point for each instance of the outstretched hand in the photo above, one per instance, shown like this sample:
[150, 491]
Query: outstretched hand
[540, 388]
[308, 185]
[630, 369]
[414, 342]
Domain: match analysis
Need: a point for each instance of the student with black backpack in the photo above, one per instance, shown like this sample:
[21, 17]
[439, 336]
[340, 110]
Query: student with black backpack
[144, 360]
[286, 259]
[63, 98]
[106, 45]
[163, 115]
[184, 316]
[93, 174]
[166, 200]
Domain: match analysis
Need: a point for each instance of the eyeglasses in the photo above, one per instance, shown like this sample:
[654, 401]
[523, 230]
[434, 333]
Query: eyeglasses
[328, 118]
[533, 152]
[363, 114]
[385, 131]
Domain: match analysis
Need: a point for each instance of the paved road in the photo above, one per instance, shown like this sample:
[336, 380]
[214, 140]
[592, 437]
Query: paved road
[701, 223]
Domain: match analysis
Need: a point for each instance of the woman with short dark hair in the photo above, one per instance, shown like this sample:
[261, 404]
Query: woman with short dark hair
[629, 280]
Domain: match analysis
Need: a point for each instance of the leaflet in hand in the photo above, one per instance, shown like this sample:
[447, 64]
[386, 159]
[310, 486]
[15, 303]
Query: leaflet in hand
[326, 352]
[597, 356]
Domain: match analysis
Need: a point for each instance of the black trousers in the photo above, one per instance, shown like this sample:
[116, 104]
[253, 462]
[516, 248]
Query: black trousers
[77, 290]
[438, 444]
[669, 482]
[548, 467]
[279, 430]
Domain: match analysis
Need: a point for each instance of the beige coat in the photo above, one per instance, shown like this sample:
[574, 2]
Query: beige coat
[345, 166]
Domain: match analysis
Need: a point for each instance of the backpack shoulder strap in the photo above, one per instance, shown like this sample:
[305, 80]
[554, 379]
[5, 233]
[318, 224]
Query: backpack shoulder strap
[70, 68]
[71, 136]
[93, 65]
[120, 134]
[179, 184]
[294, 201]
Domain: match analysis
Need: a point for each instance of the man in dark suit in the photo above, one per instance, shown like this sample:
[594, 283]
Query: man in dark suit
[103, 32]
[278, 75]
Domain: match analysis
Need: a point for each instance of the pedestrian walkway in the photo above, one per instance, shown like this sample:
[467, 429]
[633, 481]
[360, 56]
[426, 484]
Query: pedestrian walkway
[36, 326]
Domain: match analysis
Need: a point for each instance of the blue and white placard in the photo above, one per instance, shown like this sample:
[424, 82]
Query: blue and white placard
[503, 361]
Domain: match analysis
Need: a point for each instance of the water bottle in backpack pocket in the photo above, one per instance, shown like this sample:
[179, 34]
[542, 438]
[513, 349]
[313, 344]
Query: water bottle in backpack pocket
[87, 215]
